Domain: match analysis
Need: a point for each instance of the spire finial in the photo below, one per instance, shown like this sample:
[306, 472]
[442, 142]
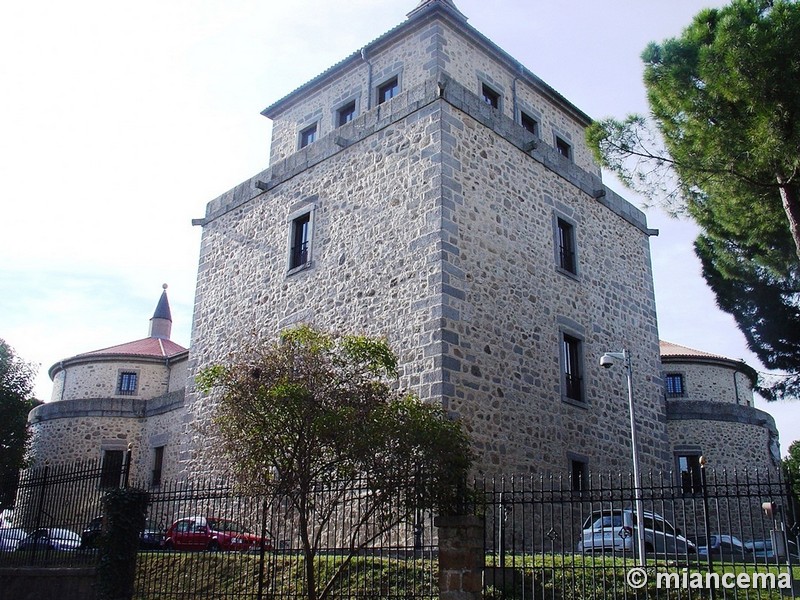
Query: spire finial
[161, 323]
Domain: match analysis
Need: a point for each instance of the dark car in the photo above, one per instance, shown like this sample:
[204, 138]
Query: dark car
[210, 533]
[151, 537]
[726, 547]
[762, 549]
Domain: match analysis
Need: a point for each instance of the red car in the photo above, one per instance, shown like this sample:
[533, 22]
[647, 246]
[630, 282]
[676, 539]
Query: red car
[210, 533]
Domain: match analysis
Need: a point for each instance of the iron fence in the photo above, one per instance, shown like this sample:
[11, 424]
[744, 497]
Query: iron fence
[555, 537]
[376, 555]
[545, 537]
[53, 509]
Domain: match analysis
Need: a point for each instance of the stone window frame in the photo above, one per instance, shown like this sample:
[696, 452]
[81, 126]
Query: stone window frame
[572, 335]
[338, 108]
[533, 116]
[307, 210]
[393, 75]
[558, 218]
[495, 95]
[121, 374]
[688, 481]
[561, 143]
[302, 142]
[682, 379]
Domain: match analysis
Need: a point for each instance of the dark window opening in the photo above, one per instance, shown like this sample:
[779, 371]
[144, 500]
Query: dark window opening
[388, 90]
[571, 348]
[158, 463]
[300, 240]
[308, 135]
[127, 383]
[578, 475]
[564, 148]
[346, 114]
[529, 123]
[490, 96]
[674, 385]
[111, 470]
[690, 473]
[566, 246]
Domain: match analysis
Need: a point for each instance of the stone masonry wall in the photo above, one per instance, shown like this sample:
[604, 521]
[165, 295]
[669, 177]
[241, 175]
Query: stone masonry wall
[726, 445]
[429, 48]
[409, 59]
[80, 430]
[712, 382]
[371, 259]
[385, 257]
[99, 379]
[471, 67]
[510, 303]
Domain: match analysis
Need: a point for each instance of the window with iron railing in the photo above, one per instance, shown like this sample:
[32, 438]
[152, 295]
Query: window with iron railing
[301, 227]
[128, 383]
[674, 385]
[566, 246]
[571, 357]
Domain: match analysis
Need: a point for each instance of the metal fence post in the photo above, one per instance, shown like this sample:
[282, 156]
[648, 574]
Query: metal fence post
[706, 525]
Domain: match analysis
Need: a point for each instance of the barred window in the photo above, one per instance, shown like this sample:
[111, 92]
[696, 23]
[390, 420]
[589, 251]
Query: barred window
[301, 229]
[571, 361]
[691, 477]
[674, 385]
[566, 246]
[128, 383]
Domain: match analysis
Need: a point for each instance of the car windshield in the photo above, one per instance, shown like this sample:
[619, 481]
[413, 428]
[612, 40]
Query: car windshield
[225, 525]
[599, 521]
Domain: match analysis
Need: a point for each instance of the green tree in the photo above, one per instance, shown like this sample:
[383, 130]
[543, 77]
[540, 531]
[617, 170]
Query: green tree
[16, 385]
[724, 148]
[791, 467]
[317, 411]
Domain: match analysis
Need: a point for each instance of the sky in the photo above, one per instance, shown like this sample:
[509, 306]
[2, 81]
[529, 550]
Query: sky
[120, 121]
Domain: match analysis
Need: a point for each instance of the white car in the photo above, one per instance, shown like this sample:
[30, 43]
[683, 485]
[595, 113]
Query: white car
[10, 537]
[614, 530]
[51, 538]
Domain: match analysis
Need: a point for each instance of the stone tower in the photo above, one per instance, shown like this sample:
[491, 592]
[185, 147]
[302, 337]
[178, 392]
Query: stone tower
[431, 189]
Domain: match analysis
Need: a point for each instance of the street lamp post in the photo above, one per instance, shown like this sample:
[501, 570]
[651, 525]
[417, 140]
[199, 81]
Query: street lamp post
[607, 360]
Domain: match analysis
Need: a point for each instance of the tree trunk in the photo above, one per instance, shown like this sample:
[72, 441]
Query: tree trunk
[308, 551]
[791, 206]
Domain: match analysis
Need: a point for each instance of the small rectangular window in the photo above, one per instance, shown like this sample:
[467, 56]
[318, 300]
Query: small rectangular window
[690, 473]
[578, 476]
[308, 135]
[490, 96]
[346, 113]
[301, 227]
[111, 469]
[158, 463]
[566, 246]
[563, 147]
[571, 363]
[128, 382]
[674, 385]
[388, 90]
[529, 123]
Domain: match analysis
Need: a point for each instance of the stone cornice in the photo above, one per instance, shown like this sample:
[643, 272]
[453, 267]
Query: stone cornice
[704, 410]
[401, 107]
[128, 408]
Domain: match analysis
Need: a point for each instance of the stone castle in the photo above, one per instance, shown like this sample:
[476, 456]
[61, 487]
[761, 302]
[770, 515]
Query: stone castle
[430, 189]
